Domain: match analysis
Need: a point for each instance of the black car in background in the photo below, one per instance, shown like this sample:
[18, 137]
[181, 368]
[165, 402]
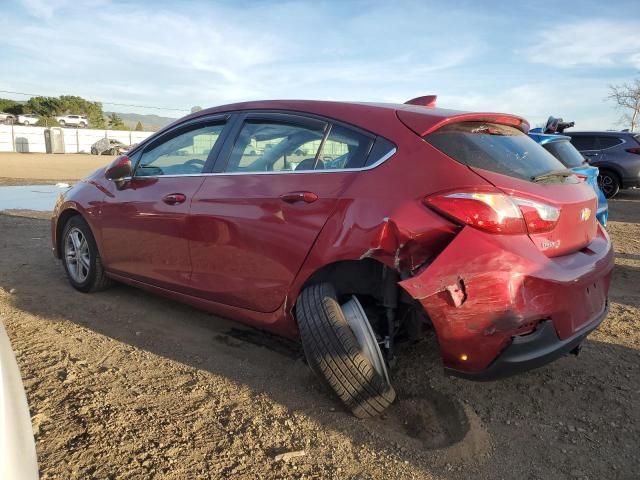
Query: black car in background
[616, 154]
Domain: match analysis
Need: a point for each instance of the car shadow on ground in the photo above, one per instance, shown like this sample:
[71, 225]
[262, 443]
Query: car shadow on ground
[436, 421]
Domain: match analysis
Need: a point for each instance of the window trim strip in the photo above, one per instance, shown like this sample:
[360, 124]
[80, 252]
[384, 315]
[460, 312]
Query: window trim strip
[376, 164]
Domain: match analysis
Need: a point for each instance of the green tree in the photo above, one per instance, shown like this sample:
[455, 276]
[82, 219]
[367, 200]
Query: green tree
[44, 106]
[75, 105]
[139, 127]
[116, 123]
[11, 106]
[49, 107]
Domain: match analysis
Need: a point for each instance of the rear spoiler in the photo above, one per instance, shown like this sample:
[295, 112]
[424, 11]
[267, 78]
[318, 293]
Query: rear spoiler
[425, 101]
[424, 122]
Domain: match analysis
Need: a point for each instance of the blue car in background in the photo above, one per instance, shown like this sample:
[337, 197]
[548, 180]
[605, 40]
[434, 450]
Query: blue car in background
[560, 147]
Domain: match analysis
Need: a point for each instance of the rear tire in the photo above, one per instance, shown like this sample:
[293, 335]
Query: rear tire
[609, 183]
[333, 353]
[80, 257]
[94, 151]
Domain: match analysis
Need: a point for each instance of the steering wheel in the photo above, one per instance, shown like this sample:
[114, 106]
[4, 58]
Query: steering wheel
[196, 164]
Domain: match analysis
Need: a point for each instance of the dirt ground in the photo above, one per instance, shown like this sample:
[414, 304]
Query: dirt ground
[127, 385]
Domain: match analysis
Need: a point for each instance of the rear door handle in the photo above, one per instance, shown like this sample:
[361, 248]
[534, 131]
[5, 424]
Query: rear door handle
[174, 198]
[293, 197]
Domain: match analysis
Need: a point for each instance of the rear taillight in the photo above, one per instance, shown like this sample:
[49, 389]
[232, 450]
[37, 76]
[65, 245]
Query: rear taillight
[635, 150]
[496, 212]
[539, 217]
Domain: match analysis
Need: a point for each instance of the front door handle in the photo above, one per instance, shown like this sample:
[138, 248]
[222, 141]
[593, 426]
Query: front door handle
[293, 197]
[174, 198]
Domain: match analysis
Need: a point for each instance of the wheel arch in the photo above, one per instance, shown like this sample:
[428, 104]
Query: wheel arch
[357, 276]
[62, 220]
[610, 167]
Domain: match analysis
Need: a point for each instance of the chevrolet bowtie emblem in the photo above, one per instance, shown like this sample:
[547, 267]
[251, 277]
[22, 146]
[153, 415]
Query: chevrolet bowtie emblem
[585, 214]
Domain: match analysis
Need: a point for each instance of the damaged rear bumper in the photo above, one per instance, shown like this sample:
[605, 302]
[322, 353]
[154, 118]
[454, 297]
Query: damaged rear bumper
[534, 350]
[517, 308]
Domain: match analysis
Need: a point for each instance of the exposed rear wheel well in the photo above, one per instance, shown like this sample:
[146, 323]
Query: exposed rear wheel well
[359, 277]
[389, 308]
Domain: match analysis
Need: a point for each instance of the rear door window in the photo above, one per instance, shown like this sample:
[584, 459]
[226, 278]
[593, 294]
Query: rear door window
[271, 146]
[584, 142]
[566, 153]
[344, 148]
[494, 147]
[608, 142]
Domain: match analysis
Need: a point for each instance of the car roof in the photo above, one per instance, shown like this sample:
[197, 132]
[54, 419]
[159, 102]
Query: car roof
[367, 115]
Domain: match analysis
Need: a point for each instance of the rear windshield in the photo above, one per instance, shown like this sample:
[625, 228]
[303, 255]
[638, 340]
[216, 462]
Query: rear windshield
[498, 148]
[566, 153]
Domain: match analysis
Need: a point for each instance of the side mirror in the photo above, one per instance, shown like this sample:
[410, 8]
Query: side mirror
[120, 169]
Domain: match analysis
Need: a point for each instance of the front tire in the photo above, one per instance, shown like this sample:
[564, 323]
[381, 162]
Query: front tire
[80, 257]
[609, 183]
[334, 354]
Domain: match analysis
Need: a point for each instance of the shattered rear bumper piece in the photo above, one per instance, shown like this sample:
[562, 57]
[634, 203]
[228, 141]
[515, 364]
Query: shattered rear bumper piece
[499, 305]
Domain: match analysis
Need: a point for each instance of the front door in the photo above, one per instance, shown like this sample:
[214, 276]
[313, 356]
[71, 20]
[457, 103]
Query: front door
[144, 222]
[254, 222]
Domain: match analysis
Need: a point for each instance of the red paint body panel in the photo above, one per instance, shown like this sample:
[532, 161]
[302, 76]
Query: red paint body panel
[247, 243]
[234, 247]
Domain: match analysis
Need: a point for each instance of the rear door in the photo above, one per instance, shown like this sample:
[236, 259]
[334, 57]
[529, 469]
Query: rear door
[279, 178]
[587, 145]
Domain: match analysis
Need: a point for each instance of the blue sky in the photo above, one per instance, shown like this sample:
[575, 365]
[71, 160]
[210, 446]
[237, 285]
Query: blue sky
[531, 58]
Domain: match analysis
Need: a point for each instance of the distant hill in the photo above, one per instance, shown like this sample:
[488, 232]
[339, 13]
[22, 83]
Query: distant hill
[150, 123]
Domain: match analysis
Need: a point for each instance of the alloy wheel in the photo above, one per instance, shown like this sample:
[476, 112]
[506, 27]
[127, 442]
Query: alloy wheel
[606, 184]
[77, 255]
[357, 320]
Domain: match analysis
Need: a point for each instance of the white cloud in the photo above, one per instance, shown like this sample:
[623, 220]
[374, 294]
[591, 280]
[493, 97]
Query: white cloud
[205, 53]
[194, 53]
[581, 102]
[602, 43]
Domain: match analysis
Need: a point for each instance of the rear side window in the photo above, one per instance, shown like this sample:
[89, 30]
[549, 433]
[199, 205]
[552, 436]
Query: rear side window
[608, 142]
[566, 153]
[268, 146]
[273, 146]
[344, 148]
[494, 147]
[584, 142]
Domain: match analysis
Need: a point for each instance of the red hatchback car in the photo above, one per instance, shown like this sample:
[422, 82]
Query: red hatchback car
[353, 226]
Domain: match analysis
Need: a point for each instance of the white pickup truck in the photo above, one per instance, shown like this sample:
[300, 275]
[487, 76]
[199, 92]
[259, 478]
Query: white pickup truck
[79, 121]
